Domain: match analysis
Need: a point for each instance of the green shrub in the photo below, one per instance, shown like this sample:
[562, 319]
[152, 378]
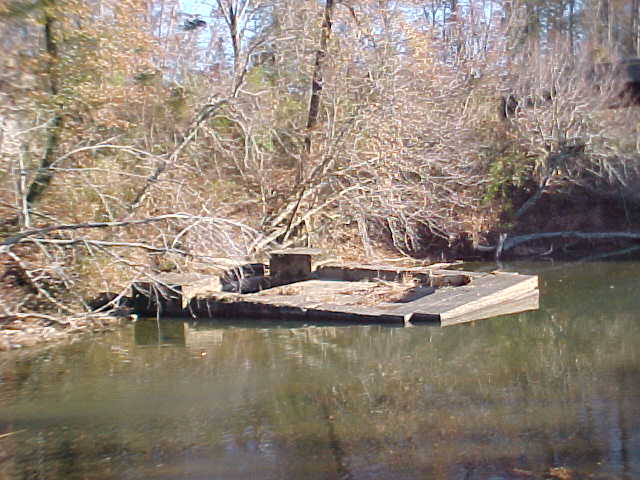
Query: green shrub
[508, 174]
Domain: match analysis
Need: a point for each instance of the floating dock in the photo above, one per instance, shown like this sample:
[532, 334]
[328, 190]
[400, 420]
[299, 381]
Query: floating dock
[290, 289]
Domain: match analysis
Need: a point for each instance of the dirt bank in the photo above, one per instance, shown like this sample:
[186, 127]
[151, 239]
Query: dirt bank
[29, 331]
[573, 225]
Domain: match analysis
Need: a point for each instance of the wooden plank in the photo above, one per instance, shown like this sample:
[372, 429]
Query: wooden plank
[310, 300]
[297, 251]
[311, 312]
[521, 297]
[321, 294]
[356, 272]
[484, 297]
[435, 277]
[447, 298]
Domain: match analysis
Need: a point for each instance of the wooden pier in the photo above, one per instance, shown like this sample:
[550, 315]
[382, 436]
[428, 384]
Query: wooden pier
[335, 293]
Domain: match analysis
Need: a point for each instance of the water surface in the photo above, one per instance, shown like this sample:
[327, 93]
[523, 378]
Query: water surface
[509, 397]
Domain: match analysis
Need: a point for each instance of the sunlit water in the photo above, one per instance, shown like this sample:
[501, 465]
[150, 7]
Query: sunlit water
[505, 398]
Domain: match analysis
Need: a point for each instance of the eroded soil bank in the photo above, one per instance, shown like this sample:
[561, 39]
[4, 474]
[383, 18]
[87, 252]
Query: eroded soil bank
[573, 226]
[577, 226]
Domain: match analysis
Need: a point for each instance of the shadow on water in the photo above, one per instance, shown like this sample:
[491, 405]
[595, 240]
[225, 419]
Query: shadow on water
[504, 398]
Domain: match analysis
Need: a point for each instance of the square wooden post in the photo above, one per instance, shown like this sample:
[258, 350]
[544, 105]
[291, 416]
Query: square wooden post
[292, 264]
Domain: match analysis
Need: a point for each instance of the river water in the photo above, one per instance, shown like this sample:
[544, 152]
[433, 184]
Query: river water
[506, 398]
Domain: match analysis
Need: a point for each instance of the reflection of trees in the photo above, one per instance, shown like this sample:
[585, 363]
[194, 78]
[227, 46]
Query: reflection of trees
[557, 386]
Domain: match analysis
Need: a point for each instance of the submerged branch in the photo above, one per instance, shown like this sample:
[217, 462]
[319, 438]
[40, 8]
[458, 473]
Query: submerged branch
[507, 243]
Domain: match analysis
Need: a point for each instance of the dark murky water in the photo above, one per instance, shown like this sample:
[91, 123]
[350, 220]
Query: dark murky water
[505, 398]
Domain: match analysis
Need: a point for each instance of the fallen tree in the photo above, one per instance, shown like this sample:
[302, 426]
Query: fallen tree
[42, 280]
[510, 242]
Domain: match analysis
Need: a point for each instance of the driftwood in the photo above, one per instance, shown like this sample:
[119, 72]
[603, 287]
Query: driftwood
[507, 243]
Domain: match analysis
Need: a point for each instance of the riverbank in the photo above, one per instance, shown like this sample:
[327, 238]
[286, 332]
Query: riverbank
[34, 330]
[560, 226]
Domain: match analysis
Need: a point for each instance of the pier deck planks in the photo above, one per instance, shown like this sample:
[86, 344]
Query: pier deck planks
[320, 300]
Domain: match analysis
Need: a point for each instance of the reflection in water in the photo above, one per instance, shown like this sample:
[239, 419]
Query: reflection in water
[156, 332]
[503, 398]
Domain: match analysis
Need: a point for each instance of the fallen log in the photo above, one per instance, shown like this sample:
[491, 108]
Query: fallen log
[507, 243]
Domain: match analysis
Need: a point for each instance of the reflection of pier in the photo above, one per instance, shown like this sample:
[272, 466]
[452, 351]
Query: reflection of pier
[159, 332]
[156, 332]
[292, 290]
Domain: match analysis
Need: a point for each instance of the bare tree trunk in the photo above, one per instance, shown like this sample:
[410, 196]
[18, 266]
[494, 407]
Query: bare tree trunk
[44, 175]
[603, 36]
[570, 31]
[314, 105]
[235, 15]
[316, 82]
[235, 40]
[22, 190]
[634, 30]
